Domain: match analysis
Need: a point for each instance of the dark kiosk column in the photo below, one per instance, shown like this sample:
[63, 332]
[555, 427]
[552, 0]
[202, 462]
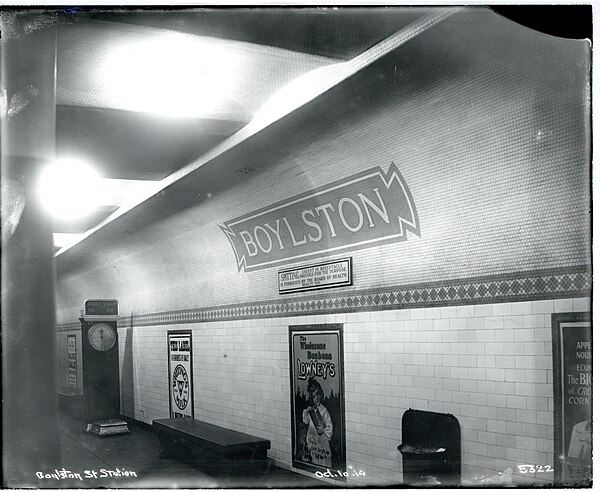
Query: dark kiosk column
[29, 408]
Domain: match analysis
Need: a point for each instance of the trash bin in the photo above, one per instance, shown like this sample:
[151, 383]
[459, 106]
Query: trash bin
[430, 448]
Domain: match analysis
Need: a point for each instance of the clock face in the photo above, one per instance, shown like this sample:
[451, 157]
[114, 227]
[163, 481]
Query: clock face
[102, 337]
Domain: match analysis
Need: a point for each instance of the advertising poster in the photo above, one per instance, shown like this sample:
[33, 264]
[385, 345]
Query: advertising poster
[72, 361]
[317, 400]
[572, 348]
[181, 402]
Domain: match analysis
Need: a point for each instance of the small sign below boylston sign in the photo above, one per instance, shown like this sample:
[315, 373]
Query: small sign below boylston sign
[336, 273]
[367, 209]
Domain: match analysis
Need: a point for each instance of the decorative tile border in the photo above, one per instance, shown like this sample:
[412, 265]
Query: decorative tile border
[514, 287]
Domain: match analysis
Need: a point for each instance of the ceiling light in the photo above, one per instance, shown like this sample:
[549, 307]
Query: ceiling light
[173, 74]
[62, 239]
[68, 189]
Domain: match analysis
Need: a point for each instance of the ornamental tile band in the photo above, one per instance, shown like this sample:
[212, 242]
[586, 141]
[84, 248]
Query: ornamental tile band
[530, 286]
[525, 286]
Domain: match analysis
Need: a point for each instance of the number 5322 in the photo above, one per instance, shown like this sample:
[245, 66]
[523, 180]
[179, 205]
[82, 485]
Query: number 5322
[534, 468]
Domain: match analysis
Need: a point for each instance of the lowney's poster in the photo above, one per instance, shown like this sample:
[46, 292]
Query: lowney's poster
[316, 370]
[572, 349]
[181, 401]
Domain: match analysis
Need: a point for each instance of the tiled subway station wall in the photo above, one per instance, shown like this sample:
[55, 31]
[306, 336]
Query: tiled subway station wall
[493, 145]
[490, 365]
[494, 150]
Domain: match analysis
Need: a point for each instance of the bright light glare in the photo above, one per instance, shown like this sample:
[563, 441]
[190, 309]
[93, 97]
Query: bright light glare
[298, 92]
[174, 75]
[68, 189]
[62, 239]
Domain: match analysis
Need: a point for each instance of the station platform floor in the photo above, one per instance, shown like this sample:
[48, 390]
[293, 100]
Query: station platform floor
[138, 452]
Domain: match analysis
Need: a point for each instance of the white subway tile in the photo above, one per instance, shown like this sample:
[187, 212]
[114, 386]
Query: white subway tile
[486, 437]
[475, 348]
[514, 322]
[417, 314]
[496, 374]
[534, 348]
[526, 416]
[449, 336]
[534, 321]
[475, 324]
[450, 384]
[458, 324]
[524, 335]
[519, 402]
[482, 310]
[540, 307]
[581, 304]
[563, 306]
[494, 348]
[506, 440]
[432, 313]
[521, 307]
[535, 376]
[448, 312]
[505, 361]
[419, 336]
[506, 414]
[504, 309]
[468, 360]
[525, 362]
[543, 334]
[537, 403]
[486, 361]
[465, 311]
[543, 362]
[403, 314]
[467, 335]
[476, 373]
[433, 336]
[545, 418]
[516, 348]
[494, 322]
[483, 335]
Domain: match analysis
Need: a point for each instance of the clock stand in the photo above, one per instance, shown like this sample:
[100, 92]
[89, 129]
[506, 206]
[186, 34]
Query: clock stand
[100, 354]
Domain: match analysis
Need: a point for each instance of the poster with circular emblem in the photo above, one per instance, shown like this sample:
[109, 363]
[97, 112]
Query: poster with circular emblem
[181, 401]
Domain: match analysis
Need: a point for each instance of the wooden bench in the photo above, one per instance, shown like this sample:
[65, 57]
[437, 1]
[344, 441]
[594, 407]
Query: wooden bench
[217, 447]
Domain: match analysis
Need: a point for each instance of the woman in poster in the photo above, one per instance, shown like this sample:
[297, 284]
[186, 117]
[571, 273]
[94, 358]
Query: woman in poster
[320, 427]
[579, 456]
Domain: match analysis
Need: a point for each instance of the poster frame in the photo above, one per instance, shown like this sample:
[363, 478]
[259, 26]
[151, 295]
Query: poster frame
[338, 329]
[558, 319]
[191, 399]
[69, 371]
[340, 283]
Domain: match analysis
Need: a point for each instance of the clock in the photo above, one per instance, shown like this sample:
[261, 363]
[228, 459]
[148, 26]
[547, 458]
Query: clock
[102, 337]
[100, 361]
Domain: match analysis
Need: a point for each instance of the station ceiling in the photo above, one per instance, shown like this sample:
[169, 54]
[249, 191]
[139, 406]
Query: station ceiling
[150, 95]
[143, 93]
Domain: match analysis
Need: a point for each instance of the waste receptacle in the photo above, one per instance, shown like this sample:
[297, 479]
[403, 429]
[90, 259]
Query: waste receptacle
[430, 448]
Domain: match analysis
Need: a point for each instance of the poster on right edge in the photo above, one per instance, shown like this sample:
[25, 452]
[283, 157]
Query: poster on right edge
[572, 354]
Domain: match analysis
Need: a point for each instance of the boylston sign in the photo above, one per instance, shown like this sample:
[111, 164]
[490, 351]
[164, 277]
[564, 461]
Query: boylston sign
[364, 210]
